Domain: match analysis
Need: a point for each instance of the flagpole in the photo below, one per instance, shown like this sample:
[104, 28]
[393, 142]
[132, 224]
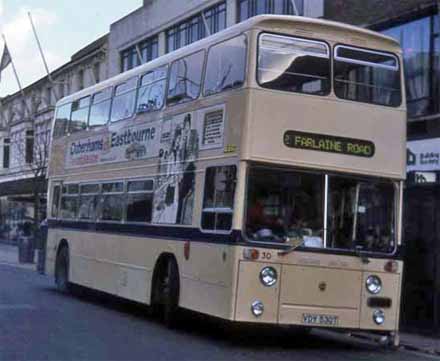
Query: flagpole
[16, 77]
[49, 75]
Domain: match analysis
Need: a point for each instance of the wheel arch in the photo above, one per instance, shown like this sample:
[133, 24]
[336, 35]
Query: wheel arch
[160, 264]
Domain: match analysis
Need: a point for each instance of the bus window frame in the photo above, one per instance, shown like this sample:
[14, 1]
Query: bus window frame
[215, 231]
[127, 192]
[103, 193]
[98, 194]
[113, 96]
[314, 40]
[369, 50]
[202, 78]
[89, 107]
[166, 78]
[246, 65]
[92, 96]
[69, 195]
[55, 184]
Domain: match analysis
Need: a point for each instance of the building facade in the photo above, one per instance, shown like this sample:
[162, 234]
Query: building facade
[25, 124]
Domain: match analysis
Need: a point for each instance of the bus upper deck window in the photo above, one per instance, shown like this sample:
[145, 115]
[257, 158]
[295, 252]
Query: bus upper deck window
[62, 119]
[152, 90]
[294, 64]
[124, 100]
[226, 66]
[100, 108]
[80, 114]
[367, 76]
[186, 78]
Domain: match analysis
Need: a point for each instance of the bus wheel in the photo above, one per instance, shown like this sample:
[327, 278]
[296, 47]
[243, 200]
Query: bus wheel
[62, 270]
[167, 290]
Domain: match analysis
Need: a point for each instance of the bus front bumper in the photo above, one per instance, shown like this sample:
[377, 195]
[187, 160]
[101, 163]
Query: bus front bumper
[317, 296]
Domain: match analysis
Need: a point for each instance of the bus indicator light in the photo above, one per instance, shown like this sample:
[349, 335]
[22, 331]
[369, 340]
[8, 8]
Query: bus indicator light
[251, 254]
[391, 266]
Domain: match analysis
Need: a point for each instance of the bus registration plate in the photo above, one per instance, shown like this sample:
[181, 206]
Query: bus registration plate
[322, 320]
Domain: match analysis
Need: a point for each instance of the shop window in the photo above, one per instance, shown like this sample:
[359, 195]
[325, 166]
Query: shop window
[226, 66]
[193, 29]
[29, 152]
[6, 152]
[112, 202]
[419, 40]
[124, 100]
[140, 53]
[250, 8]
[186, 78]
[151, 93]
[140, 201]
[100, 108]
[218, 202]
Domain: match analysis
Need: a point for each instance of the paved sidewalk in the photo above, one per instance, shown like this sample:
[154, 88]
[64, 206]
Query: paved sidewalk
[9, 256]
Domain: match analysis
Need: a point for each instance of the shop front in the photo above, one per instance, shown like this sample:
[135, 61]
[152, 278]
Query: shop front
[421, 287]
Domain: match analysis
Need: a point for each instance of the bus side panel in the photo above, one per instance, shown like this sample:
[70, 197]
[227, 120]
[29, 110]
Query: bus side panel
[207, 279]
[123, 266]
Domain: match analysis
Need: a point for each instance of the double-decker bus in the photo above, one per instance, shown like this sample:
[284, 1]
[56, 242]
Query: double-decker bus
[255, 176]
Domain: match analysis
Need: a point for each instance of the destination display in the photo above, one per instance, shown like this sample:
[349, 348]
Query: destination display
[329, 143]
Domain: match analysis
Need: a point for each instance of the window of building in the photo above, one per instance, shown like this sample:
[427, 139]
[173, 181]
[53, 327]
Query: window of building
[186, 78]
[140, 201]
[112, 201]
[420, 43]
[80, 114]
[97, 72]
[250, 8]
[29, 147]
[218, 202]
[62, 120]
[49, 96]
[56, 195]
[367, 76]
[88, 203]
[69, 201]
[151, 93]
[6, 152]
[226, 66]
[80, 79]
[124, 100]
[294, 64]
[100, 109]
[193, 29]
[140, 53]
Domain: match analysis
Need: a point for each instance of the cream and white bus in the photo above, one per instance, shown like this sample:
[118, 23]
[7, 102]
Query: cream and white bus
[255, 176]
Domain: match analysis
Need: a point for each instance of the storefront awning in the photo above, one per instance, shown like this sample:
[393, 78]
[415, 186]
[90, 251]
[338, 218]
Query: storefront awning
[19, 187]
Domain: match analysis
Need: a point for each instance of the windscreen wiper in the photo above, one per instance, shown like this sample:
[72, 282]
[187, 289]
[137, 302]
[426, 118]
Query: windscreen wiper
[291, 249]
[361, 255]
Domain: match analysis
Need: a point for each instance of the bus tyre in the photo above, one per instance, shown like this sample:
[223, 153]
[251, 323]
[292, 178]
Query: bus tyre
[168, 293]
[62, 270]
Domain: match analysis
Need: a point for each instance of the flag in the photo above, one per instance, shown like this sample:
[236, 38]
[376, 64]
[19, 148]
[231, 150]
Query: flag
[6, 59]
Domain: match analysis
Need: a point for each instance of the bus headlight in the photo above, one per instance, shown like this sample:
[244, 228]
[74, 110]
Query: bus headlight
[268, 276]
[257, 308]
[374, 285]
[379, 317]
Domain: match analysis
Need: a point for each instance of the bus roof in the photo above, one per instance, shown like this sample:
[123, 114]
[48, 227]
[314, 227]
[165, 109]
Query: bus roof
[254, 22]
